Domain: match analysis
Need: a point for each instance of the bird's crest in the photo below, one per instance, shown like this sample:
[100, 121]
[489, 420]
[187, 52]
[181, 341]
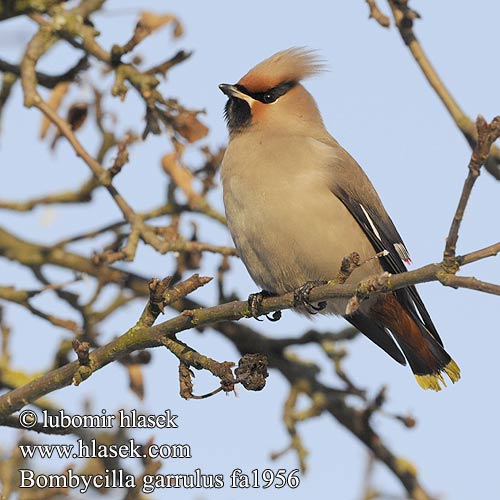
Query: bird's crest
[291, 65]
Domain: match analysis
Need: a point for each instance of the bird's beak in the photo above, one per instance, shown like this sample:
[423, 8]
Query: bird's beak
[232, 91]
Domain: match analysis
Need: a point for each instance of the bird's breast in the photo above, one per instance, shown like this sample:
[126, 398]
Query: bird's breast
[287, 225]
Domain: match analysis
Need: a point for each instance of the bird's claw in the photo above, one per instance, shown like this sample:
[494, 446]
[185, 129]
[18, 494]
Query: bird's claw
[301, 296]
[254, 303]
[275, 317]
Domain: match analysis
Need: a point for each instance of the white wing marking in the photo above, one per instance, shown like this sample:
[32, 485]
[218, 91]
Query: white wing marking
[374, 229]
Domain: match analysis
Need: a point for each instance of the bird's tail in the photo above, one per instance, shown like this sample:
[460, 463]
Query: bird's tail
[425, 354]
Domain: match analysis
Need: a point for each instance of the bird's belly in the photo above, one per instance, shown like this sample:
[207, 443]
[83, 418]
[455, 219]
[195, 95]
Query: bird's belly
[287, 237]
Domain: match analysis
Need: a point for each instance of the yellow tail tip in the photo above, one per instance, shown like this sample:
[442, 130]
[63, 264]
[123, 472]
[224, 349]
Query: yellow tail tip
[453, 371]
[434, 380]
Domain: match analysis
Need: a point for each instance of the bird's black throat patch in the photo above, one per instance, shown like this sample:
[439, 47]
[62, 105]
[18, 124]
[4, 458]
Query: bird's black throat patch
[237, 114]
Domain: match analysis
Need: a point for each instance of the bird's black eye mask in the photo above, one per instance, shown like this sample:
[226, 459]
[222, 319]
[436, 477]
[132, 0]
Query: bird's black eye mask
[268, 96]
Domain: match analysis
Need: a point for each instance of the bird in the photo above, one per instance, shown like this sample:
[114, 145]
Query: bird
[297, 203]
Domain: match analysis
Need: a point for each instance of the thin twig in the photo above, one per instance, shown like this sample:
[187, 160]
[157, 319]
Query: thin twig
[49, 81]
[487, 134]
[404, 17]
[377, 14]
[469, 282]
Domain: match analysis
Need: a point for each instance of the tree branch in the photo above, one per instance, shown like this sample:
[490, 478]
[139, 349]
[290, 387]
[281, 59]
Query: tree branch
[141, 337]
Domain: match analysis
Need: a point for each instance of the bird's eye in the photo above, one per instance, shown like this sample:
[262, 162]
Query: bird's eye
[269, 97]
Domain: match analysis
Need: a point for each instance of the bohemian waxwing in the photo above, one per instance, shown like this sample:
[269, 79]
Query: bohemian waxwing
[297, 203]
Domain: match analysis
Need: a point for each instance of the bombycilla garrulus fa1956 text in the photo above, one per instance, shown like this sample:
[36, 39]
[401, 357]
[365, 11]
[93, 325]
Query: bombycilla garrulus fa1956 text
[297, 203]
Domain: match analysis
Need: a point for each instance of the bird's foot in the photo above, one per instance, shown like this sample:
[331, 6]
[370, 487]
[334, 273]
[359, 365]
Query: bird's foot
[301, 296]
[254, 303]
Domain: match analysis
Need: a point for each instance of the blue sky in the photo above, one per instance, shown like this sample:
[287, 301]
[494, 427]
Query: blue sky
[375, 101]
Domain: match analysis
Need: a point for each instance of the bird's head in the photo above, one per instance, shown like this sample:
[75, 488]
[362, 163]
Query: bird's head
[270, 96]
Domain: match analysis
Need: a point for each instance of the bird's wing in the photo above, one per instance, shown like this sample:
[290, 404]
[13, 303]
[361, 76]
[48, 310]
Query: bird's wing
[383, 235]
